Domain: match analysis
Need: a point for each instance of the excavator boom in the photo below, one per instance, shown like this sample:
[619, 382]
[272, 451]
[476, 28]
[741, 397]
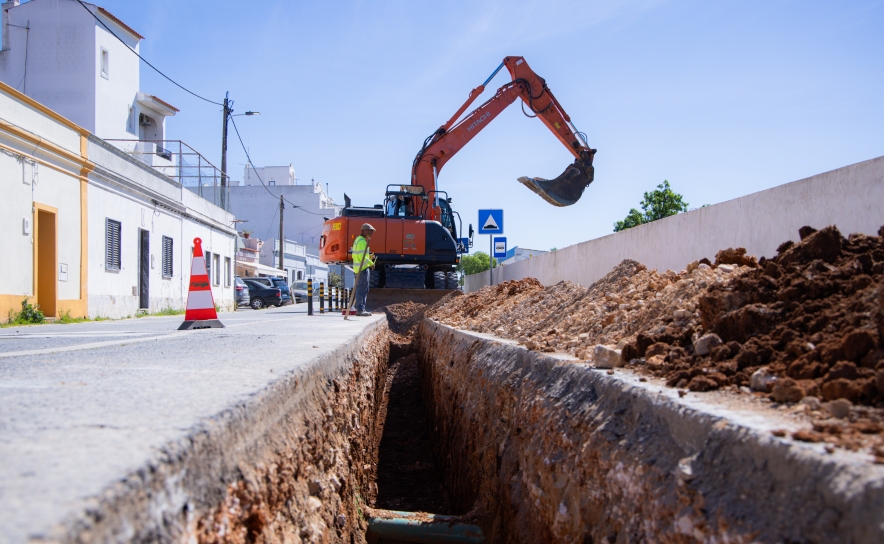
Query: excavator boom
[443, 144]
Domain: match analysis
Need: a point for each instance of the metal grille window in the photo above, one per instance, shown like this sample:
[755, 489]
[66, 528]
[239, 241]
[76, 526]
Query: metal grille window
[167, 257]
[112, 244]
[209, 264]
[216, 264]
[227, 271]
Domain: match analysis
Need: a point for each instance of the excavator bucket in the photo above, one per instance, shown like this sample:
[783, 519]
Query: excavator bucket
[565, 189]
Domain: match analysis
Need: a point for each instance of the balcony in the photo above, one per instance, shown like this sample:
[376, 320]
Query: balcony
[180, 162]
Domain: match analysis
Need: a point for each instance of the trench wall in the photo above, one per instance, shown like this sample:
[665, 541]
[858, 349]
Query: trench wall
[851, 198]
[543, 450]
[288, 465]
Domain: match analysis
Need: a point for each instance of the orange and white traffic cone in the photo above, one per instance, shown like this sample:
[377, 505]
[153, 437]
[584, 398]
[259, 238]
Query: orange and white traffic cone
[200, 313]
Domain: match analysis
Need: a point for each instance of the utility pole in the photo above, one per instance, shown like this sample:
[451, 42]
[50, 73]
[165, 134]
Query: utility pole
[235, 252]
[281, 236]
[227, 112]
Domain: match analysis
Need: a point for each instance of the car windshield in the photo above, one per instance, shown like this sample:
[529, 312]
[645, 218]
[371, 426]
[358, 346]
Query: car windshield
[300, 285]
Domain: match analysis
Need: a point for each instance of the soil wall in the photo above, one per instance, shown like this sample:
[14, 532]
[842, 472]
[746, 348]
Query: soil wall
[546, 451]
[292, 464]
[851, 197]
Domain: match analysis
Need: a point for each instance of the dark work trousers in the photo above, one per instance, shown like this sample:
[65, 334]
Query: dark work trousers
[362, 289]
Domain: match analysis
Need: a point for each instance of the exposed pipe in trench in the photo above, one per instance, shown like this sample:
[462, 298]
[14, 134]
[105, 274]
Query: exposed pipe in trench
[421, 528]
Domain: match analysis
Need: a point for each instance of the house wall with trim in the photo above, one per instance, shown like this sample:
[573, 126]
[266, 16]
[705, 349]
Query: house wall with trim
[49, 163]
[42, 166]
[140, 199]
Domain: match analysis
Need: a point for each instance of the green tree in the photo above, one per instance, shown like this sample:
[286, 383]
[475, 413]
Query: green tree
[657, 204]
[475, 263]
[334, 279]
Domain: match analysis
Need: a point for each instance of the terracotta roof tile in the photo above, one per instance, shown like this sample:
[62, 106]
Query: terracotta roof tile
[163, 102]
[113, 18]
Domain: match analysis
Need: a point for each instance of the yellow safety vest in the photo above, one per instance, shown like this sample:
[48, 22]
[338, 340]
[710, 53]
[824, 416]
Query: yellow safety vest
[361, 258]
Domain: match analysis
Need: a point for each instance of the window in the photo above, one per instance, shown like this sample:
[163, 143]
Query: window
[167, 257]
[216, 264]
[130, 123]
[209, 264]
[227, 271]
[105, 64]
[272, 182]
[112, 245]
[300, 274]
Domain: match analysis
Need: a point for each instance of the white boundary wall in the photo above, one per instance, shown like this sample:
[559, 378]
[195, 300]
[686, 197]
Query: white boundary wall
[851, 198]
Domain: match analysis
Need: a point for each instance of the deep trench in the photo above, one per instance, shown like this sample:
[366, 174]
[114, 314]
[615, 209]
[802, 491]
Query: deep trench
[408, 478]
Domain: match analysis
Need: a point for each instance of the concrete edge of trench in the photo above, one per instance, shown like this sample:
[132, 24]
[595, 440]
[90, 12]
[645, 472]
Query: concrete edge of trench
[278, 462]
[545, 449]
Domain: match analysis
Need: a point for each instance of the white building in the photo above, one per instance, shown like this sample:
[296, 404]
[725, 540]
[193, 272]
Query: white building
[303, 225]
[271, 175]
[517, 254]
[298, 265]
[64, 57]
[92, 231]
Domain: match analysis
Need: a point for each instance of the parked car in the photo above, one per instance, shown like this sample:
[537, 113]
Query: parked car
[281, 284]
[261, 295]
[299, 291]
[242, 292]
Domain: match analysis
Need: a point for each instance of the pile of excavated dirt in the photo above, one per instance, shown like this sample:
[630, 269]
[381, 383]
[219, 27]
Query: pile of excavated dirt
[573, 319]
[806, 326]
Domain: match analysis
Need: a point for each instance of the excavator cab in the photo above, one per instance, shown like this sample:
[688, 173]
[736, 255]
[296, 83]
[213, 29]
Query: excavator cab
[403, 201]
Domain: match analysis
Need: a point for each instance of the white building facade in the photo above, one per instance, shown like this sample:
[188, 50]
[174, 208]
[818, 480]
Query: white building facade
[271, 175]
[298, 265]
[303, 225]
[91, 231]
[66, 58]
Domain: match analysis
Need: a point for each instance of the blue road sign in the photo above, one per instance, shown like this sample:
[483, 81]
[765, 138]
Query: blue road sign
[499, 247]
[490, 221]
[465, 242]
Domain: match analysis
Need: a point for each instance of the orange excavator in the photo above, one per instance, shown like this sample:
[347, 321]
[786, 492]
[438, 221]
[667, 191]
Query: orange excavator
[416, 241]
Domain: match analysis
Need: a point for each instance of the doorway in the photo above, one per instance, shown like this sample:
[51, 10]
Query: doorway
[144, 270]
[46, 269]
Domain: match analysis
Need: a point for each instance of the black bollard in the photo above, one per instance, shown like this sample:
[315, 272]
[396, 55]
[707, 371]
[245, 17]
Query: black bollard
[309, 297]
[322, 297]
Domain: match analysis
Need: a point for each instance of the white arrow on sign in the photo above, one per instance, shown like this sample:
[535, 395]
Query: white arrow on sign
[490, 224]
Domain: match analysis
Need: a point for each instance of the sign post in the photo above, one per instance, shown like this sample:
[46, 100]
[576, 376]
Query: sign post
[491, 223]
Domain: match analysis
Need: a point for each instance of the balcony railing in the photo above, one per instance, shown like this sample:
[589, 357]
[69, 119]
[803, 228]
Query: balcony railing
[177, 160]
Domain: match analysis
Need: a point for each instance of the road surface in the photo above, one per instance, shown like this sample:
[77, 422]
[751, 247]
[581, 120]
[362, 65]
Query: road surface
[83, 405]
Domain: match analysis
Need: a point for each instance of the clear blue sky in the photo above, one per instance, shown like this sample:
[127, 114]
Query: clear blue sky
[721, 98]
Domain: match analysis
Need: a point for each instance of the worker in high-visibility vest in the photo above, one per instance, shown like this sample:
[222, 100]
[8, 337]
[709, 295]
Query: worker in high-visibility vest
[363, 262]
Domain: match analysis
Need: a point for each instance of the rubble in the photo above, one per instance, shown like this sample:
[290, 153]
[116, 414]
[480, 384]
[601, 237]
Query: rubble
[806, 323]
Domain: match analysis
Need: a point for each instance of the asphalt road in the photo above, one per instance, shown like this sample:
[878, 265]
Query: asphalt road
[83, 405]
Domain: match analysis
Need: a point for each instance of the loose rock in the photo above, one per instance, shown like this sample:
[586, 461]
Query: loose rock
[606, 357]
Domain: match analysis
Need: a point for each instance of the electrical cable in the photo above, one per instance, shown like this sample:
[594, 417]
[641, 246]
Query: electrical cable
[272, 222]
[145, 60]
[255, 169]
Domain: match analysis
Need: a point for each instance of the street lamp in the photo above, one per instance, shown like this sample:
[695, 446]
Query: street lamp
[228, 113]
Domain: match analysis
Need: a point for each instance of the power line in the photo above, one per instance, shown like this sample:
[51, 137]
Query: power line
[255, 169]
[273, 222]
[145, 60]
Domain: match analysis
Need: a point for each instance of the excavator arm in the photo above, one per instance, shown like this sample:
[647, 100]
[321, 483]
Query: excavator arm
[443, 144]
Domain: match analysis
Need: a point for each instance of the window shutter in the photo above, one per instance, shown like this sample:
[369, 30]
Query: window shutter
[167, 257]
[112, 246]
